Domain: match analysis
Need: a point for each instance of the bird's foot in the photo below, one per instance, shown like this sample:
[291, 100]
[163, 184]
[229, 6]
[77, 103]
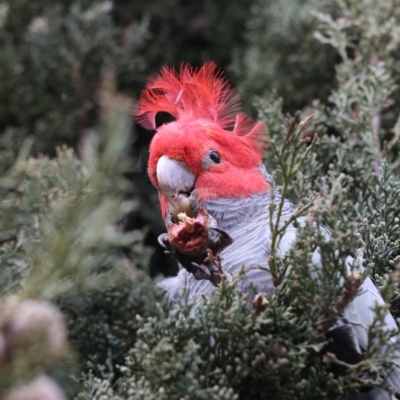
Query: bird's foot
[196, 243]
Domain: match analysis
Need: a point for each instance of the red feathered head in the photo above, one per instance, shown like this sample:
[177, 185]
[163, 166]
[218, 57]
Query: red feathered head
[219, 147]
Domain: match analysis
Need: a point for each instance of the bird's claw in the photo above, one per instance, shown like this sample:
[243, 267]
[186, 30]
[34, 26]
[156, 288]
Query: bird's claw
[163, 241]
[220, 242]
[200, 271]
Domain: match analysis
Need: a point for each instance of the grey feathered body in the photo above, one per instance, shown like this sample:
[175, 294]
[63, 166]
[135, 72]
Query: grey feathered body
[247, 222]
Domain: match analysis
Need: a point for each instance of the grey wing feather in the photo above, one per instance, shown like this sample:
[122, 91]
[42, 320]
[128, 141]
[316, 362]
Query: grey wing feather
[375, 393]
[360, 313]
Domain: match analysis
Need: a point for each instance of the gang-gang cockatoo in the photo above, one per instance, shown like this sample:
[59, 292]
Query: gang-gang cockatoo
[214, 195]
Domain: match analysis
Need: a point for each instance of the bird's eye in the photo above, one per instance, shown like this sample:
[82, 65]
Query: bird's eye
[215, 157]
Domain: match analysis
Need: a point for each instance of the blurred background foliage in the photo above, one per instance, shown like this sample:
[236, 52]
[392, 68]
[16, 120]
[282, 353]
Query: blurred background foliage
[79, 218]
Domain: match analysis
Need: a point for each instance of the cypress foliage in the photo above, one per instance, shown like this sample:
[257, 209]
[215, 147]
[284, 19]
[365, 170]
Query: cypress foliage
[80, 315]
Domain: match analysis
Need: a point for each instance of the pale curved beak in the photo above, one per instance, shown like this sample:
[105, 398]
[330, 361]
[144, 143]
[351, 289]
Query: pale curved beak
[176, 183]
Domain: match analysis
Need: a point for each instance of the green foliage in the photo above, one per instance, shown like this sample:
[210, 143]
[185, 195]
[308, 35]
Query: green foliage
[380, 228]
[62, 235]
[226, 350]
[356, 132]
[281, 53]
[61, 204]
[103, 323]
[50, 75]
[61, 241]
[52, 56]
